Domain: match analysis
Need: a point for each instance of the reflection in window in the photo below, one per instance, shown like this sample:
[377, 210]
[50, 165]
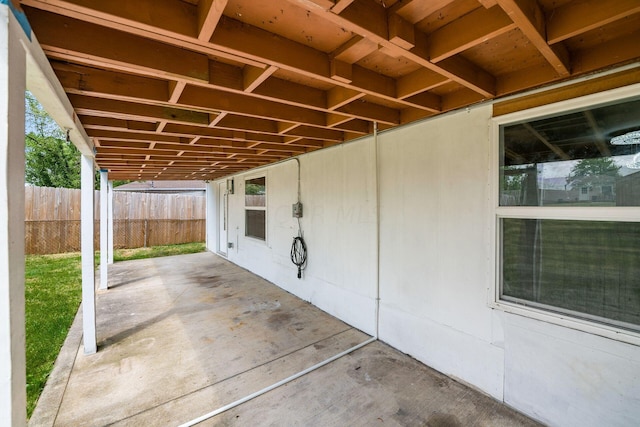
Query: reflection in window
[580, 266]
[255, 201]
[572, 159]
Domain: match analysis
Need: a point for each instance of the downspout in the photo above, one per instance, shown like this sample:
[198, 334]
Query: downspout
[339, 355]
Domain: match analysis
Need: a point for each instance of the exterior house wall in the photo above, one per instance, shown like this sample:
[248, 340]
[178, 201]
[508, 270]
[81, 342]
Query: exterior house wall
[435, 268]
[339, 225]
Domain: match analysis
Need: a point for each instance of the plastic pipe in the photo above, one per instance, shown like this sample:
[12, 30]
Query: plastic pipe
[274, 386]
[339, 355]
[377, 178]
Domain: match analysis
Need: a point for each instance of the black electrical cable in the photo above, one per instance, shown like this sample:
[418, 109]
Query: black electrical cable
[299, 254]
[299, 247]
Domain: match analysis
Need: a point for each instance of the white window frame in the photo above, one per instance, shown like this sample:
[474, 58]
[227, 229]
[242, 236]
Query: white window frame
[256, 208]
[578, 213]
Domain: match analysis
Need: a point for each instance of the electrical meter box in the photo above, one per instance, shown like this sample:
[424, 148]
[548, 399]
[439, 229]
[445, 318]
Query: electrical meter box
[297, 210]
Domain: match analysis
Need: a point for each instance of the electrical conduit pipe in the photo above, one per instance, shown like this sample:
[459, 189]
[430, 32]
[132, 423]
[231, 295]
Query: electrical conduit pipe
[337, 356]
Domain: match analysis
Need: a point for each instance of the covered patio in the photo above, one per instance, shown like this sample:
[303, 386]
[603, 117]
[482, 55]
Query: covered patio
[430, 143]
[231, 334]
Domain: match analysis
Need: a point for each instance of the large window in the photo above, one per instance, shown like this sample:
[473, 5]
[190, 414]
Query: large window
[567, 216]
[255, 202]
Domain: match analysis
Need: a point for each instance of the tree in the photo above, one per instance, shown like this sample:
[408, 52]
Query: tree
[50, 160]
[592, 173]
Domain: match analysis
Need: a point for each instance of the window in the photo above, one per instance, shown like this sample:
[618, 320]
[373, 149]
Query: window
[255, 202]
[568, 217]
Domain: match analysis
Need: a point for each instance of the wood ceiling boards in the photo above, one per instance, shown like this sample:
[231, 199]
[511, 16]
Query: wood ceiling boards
[173, 89]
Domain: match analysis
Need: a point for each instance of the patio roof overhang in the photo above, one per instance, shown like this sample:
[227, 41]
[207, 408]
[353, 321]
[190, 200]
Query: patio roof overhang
[201, 89]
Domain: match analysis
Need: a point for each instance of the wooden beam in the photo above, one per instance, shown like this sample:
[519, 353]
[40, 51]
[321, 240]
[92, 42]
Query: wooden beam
[432, 103]
[622, 50]
[357, 126]
[420, 80]
[401, 32]
[175, 89]
[106, 135]
[221, 76]
[161, 125]
[337, 119]
[129, 110]
[225, 76]
[601, 142]
[215, 100]
[488, 3]
[145, 56]
[87, 80]
[536, 75]
[557, 150]
[415, 11]
[291, 93]
[341, 71]
[340, 5]
[254, 76]
[595, 85]
[91, 122]
[232, 39]
[529, 17]
[111, 85]
[339, 96]
[468, 31]
[370, 20]
[408, 115]
[316, 134]
[284, 127]
[363, 110]
[214, 123]
[209, 13]
[354, 50]
[575, 18]
[475, 78]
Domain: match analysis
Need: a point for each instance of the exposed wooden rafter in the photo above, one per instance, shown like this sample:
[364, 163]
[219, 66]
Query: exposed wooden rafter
[206, 88]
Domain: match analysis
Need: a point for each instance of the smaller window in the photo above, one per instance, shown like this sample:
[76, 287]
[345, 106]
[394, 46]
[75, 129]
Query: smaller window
[255, 202]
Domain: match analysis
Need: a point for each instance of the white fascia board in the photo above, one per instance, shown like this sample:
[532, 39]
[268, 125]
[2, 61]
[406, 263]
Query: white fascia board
[45, 86]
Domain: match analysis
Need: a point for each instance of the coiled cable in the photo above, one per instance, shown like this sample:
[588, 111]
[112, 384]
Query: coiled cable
[299, 254]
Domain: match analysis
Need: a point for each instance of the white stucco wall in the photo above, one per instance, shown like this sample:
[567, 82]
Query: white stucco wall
[434, 232]
[436, 218]
[339, 223]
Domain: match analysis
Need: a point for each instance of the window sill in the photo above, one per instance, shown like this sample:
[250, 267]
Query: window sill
[622, 335]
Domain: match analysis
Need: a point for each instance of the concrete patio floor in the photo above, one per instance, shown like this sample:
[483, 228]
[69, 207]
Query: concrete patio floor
[181, 336]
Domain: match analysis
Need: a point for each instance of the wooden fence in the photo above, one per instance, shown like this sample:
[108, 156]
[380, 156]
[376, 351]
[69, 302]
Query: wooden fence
[52, 219]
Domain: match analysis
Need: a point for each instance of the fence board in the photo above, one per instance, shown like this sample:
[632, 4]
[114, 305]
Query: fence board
[52, 219]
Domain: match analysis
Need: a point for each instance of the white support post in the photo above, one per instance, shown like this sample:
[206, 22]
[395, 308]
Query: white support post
[12, 330]
[88, 267]
[211, 221]
[104, 230]
[110, 223]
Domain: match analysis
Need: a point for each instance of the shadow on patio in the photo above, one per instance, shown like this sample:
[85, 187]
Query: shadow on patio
[182, 336]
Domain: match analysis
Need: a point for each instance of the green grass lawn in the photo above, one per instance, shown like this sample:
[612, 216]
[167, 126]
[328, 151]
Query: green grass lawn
[53, 293]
